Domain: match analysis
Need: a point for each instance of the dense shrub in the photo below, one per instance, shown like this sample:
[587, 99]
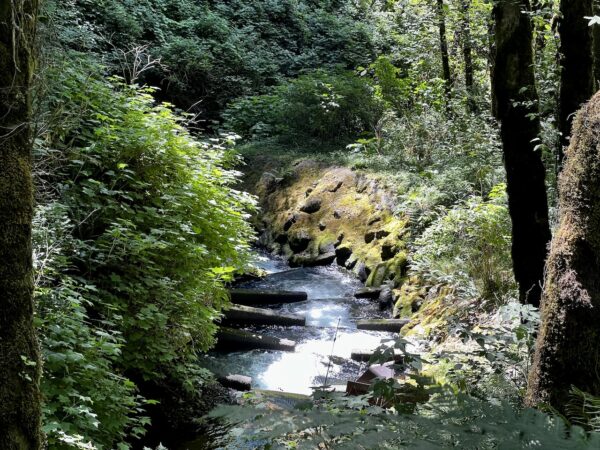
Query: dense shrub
[468, 246]
[321, 105]
[214, 52]
[136, 234]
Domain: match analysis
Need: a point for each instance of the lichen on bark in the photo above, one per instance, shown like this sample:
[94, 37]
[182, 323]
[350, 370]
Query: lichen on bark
[20, 364]
[568, 344]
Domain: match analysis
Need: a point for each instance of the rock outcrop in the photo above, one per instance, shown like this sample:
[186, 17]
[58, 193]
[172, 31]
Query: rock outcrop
[318, 216]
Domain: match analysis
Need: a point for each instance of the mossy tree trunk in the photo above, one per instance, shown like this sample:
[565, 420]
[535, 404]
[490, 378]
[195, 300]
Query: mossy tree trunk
[576, 75]
[596, 48]
[568, 345]
[446, 72]
[19, 353]
[515, 105]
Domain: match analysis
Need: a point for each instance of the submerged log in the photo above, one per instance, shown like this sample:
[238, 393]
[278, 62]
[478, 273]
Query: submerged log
[229, 339]
[365, 355]
[393, 325]
[237, 382]
[246, 315]
[265, 297]
[370, 292]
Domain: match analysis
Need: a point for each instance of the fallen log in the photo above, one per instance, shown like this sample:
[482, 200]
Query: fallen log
[392, 325]
[251, 297]
[229, 339]
[236, 382]
[246, 315]
[364, 355]
[370, 293]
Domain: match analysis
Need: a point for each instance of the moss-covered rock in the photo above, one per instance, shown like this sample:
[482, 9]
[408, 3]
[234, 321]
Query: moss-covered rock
[326, 214]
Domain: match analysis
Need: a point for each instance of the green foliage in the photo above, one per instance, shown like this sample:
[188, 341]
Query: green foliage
[469, 246]
[446, 421]
[84, 394]
[140, 230]
[214, 52]
[584, 410]
[320, 105]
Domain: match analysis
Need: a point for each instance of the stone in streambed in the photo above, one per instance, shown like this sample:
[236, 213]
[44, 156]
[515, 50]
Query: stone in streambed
[371, 293]
[386, 298]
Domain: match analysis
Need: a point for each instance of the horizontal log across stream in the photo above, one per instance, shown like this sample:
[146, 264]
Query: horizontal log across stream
[229, 339]
[251, 297]
[393, 325]
[246, 315]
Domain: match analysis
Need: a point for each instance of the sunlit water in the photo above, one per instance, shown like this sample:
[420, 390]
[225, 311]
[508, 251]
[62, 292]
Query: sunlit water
[323, 347]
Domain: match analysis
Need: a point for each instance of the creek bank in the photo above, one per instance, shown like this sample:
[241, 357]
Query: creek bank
[324, 215]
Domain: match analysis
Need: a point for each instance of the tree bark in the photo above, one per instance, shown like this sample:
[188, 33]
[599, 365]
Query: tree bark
[576, 76]
[596, 48]
[446, 73]
[568, 344]
[467, 47]
[20, 363]
[515, 105]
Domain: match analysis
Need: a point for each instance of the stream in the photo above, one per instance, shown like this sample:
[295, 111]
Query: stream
[324, 345]
[330, 310]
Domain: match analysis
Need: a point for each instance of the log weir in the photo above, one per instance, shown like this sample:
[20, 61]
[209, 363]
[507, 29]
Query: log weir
[250, 297]
[229, 339]
[392, 325]
[247, 315]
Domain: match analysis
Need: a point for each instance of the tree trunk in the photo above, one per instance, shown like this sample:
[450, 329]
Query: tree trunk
[467, 47]
[568, 344]
[576, 76]
[20, 363]
[515, 105]
[596, 49]
[447, 75]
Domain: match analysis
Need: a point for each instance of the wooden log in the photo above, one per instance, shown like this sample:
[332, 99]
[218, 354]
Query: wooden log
[229, 339]
[365, 355]
[237, 382]
[356, 388]
[377, 372]
[392, 325]
[370, 293]
[246, 315]
[251, 297]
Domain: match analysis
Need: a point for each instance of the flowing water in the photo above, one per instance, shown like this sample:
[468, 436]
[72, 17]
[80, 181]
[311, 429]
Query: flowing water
[331, 312]
[323, 347]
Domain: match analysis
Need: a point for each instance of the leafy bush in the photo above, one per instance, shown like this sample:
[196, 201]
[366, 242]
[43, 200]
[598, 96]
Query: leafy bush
[214, 52]
[141, 228]
[469, 246]
[321, 105]
[336, 421]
